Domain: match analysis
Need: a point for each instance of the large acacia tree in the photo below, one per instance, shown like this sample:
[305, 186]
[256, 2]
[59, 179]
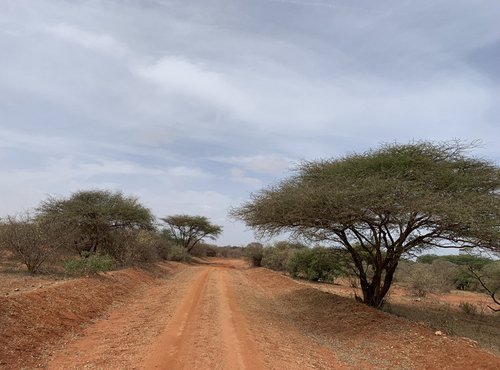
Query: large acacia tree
[188, 230]
[92, 217]
[384, 203]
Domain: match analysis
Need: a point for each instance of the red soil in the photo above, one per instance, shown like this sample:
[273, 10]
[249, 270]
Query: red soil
[220, 315]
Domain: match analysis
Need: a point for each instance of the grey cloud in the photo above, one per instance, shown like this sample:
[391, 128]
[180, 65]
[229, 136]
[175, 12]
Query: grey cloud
[192, 105]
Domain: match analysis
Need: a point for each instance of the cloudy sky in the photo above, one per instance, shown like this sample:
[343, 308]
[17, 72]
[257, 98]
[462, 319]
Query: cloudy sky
[193, 105]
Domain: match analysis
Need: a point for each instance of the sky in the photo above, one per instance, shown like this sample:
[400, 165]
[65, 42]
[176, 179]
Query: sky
[193, 105]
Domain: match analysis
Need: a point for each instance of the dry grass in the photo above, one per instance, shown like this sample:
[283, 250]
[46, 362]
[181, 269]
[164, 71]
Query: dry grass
[483, 327]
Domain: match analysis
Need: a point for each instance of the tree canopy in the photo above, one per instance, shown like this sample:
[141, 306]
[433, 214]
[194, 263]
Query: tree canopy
[93, 215]
[383, 203]
[188, 231]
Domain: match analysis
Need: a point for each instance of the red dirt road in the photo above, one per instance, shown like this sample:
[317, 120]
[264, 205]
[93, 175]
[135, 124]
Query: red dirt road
[207, 330]
[223, 315]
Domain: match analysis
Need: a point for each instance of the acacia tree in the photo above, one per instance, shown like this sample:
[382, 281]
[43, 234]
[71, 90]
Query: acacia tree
[94, 216]
[384, 203]
[188, 231]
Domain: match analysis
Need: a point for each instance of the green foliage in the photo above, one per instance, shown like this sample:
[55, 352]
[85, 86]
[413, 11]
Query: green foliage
[277, 256]
[188, 231]
[462, 259]
[178, 253]
[89, 265]
[427, 258]
[96, 217]
[385, 202]
[316, 264]
[255, 252]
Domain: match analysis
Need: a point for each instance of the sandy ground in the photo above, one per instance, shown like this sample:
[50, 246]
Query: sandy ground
[219, 315]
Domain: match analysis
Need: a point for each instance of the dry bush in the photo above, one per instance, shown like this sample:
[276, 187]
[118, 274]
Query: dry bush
[31, 240]
[422, 278]
[230, 251]
[178, 253]
[468, 308]
[132, 247]
[202, 250]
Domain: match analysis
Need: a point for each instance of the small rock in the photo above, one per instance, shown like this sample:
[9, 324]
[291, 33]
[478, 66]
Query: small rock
[439, 333]
[418, 300]
[16, 290]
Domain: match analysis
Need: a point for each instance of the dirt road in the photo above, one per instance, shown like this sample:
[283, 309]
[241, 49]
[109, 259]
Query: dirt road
[200, 319]
[224, 315]
[207, 330]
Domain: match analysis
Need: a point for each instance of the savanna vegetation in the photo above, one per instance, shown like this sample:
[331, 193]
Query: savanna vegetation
[382, 205]
[98, 230]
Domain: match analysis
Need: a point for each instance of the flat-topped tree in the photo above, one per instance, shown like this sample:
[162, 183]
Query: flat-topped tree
[188, 231]
[384, 203]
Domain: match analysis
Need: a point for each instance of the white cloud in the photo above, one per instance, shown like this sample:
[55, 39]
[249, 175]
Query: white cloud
[187, 172]
[103, 43]
[265, 164]
[176, 75]
[239, 175]
[15, 139]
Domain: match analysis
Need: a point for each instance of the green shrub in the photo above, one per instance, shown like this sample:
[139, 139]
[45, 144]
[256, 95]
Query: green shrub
[468, 308]
[316, 264]
[89, 265]
[254, 253]
[277, 256]
[178, 253]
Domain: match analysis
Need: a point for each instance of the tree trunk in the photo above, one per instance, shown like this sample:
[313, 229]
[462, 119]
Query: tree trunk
[374, 292]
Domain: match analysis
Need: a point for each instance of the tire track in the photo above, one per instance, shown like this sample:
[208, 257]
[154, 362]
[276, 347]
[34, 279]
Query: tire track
[206, 331]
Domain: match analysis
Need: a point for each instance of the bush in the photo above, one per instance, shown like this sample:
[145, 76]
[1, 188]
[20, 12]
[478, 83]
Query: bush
[277, 257]
[468, 308]
[132, 247]
[178, 253]
[317, 264]
[199, 250]
[255, 252]
[89, 265]
[423, 278]
[462, 279]
[30, 240]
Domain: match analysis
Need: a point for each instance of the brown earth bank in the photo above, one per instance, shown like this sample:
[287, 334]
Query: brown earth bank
[214, 315]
